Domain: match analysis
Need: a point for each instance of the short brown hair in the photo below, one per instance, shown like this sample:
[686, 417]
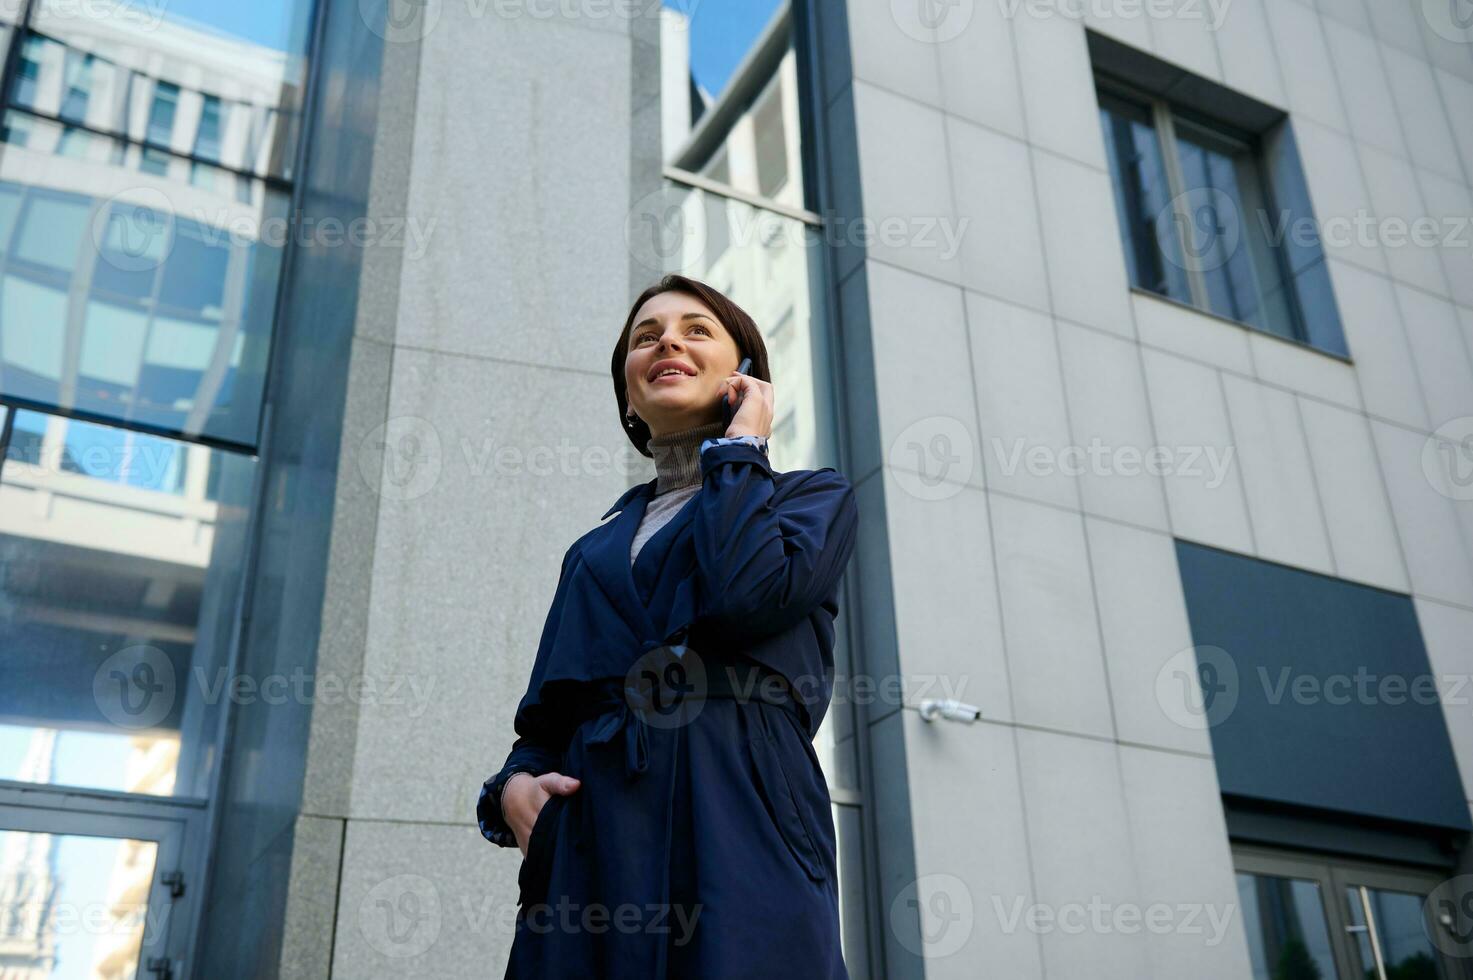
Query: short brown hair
[733, 318]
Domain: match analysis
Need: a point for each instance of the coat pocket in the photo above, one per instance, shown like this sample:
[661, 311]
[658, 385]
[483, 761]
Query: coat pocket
[537, 865]
[784, 804]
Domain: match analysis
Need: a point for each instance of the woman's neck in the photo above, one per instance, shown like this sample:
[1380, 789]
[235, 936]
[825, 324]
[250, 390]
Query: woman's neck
[677, 455]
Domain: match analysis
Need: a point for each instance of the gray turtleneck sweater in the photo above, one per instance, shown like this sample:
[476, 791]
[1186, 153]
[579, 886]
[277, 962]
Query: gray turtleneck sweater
[677, 458]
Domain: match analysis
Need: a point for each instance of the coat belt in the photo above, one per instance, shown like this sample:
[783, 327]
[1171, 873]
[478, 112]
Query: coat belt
[675, 677]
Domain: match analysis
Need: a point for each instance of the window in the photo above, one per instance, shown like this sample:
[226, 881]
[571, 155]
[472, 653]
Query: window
[78, 87]
[734, 213]
[1338, 919]
[1212, 215]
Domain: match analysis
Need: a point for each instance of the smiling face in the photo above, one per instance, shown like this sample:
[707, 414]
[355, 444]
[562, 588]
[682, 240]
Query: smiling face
[677, 357]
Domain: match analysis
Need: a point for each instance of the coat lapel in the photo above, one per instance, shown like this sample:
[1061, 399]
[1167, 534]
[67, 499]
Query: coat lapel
[607, 554]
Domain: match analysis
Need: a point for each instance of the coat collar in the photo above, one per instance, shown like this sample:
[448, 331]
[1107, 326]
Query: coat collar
[606, 553]
[647, 489]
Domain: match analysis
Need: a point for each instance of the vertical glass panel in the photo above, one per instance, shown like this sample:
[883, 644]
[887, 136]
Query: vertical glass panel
[77, 87]
[155, 68]
[1360, 933]
[10, 13]
[1397, 918]
[161, 114]
[1288, 938]
[1300, 244]
[729, 95]
[120, 556]
[1148, 229]
[1228, 235]
[761, 260]
[142, 299]
[74, 907]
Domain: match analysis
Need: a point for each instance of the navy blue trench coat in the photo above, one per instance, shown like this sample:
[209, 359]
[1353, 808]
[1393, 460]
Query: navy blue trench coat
[700, 843]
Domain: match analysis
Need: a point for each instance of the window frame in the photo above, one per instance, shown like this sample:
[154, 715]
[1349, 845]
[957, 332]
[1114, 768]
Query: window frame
[1333, 874]
[1164, 115]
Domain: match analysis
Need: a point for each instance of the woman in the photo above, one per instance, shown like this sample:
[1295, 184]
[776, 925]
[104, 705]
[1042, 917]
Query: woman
[663, 788]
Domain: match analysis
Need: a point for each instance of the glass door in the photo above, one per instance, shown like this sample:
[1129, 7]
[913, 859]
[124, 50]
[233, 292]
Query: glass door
[90, 896]
[1389, 920]
[1311, 917]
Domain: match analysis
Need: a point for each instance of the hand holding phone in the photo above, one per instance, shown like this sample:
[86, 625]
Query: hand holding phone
[728, 411]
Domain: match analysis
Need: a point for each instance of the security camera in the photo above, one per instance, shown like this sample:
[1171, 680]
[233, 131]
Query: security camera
[931, 709]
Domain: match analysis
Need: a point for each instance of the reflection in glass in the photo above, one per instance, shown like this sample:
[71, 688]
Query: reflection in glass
[73, 906]
[120, 555]
[1228, 228]
[153, 70]
[1401, 936]
[730, 113]
[1148, 232]
[761, 260]
[729, 96]
[1288, 938]
[138, 299]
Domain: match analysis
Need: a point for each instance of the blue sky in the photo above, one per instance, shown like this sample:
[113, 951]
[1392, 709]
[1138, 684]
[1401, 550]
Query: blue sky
[722, 31]
[268, 22]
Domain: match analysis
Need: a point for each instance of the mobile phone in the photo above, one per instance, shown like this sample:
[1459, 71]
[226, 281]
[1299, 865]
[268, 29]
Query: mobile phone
[728, 412]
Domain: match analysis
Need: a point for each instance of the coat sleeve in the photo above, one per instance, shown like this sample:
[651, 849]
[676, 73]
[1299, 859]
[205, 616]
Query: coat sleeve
[763, 564]
[541, 738]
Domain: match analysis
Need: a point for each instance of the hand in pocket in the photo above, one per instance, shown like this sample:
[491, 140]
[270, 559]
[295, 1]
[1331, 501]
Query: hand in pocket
[524, 796]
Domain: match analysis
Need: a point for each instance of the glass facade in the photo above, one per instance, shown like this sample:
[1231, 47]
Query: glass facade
[146, 161]
[122, 554]
[732, 136]
[135, 292]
